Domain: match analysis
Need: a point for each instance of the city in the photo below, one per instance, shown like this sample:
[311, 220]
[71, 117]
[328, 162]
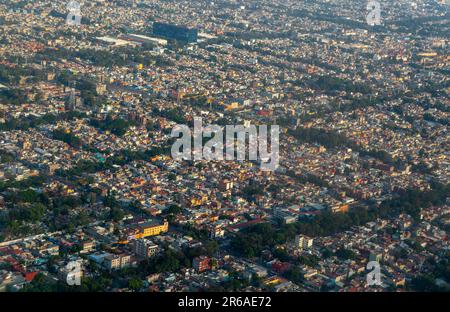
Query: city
[92, 198]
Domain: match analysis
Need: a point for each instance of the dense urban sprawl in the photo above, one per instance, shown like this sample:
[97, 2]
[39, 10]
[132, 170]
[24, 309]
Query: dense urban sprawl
[87, 176]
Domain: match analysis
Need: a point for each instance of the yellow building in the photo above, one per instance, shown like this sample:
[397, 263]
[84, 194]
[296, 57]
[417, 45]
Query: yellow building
[231, 106]
[152, 229]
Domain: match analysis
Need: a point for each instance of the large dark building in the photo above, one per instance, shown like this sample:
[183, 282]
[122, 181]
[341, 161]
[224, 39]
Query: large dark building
[174, 32]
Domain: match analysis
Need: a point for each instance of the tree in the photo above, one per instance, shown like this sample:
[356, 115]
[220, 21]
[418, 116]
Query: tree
[295, 274]
[281, 254]
[211, 247]
[117, 126]
[135, 284]
[116, 214]
[345, 254]
[40, 283]
[174, 209]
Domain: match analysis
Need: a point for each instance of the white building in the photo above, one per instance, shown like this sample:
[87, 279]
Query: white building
[145, 248]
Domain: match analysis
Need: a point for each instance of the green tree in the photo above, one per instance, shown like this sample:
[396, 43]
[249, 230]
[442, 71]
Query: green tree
[135, 284]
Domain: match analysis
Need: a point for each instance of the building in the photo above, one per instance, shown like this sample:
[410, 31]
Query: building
[114, 262]
[226, 185]
[216, 232]
[72, 102]
[108, 41]
[376, 256]
[144, 39]
[145, 229]
[342, 208]
[303, 242]
[285, 215]
[174, 32]
[145, 248]
[87, 246]
[255, 270]
[201, 264]
[100, 88]
[152, 229]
